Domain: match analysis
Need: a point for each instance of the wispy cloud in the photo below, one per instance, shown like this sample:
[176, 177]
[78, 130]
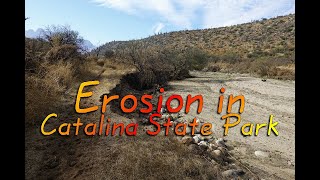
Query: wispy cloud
[158, 27]
[163, 9]
[207, 13]
[229, 12]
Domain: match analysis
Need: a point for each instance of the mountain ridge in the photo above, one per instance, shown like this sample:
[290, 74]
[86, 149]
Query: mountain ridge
[266, 37]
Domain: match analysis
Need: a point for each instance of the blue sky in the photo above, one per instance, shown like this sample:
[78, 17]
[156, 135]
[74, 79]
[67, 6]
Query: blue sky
[101, 21]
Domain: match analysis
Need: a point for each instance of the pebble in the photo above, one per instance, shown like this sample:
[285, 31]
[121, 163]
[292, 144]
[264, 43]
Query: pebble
[261, 154]
[208, 137]
[186, 139]
[203, 145]
[52, 163]
[220, 142]
[202, 138]
[213, 162]
[72, 163]
[193, 147]
[232, 173]
[196, 139]
[149, 127]
[217, 154]
[212, 146]
[223, 150]
[144, 120]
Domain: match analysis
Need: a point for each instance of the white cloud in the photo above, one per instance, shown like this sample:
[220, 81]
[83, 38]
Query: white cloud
[229, 12]
[158, 27]
[163, 9]
[208, 13]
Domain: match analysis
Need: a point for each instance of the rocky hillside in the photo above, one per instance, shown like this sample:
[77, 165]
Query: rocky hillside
[273, 37]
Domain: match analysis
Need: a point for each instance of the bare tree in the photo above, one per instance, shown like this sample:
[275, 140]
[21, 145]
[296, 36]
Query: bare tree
[62, 35]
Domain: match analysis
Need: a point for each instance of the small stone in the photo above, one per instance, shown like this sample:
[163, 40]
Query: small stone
[223, 150]
[149, 128]
[232, 152]
[217, 154]
[72, 163]
[179, 138]
[175, 117]
[230, 148]
[233, 166]
[52, 163]
[213, 162]
[203, 145]
[229, 160]
[212, 146]
[166, 116]
[187, 140]
[202, 138]
[208, 137]
[196, 139]
[193, 147]
[290, 163]
[144, 120]
[261, 154]
[220, 142]
[233, 173]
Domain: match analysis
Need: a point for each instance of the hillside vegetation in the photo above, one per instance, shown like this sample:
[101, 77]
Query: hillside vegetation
[265, 48]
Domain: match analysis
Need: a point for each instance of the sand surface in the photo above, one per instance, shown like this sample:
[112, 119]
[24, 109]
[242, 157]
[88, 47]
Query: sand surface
[261, 100]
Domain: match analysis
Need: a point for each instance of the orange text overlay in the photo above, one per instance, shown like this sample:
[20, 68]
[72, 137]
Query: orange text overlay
[104, 126]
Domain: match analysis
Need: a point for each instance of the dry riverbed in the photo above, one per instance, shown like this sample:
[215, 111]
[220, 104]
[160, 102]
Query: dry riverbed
[262, 98]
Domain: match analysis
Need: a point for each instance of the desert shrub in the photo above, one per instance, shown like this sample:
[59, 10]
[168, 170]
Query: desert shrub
[100, 62]
[158, 158]
[282, 72]
[41, 96]
[108, 53]
[242, 66]
[154, 65]
[212, 68]
[44, 91]
[196, 59]
[62, 74]
[64, 52]
[213, 58]
[230, 57]
[182, 74]
[257, 54]
[260, 68]
[35, 50]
